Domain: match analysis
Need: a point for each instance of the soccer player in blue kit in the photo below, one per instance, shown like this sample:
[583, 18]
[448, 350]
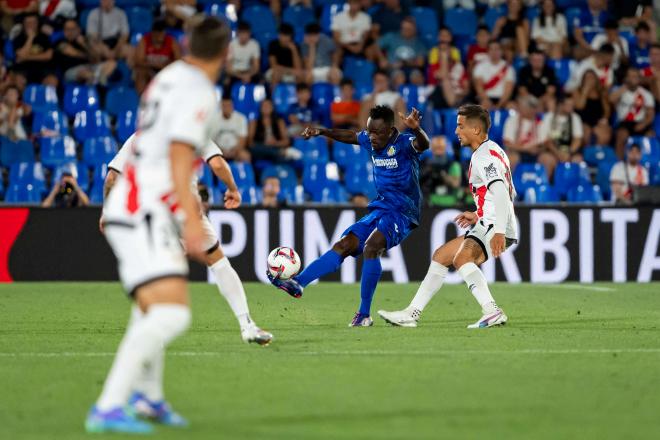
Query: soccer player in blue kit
[393, 214]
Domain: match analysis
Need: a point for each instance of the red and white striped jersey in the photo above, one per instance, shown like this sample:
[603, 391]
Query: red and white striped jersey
[489, 163]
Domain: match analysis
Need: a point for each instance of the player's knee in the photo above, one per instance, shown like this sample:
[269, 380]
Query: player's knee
[460, 259]
[442, 256]
[374, 247]
[346, 246]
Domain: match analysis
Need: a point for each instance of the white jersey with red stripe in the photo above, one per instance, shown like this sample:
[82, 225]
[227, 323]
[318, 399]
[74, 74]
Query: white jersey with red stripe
[489, 164]
[179, 105]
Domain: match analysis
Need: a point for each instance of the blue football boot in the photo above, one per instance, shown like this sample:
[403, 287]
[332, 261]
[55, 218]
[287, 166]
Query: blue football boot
[159, 412]
[290, 286]
[115, 420]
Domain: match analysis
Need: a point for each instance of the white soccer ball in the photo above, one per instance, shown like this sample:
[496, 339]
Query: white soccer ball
[283, 263]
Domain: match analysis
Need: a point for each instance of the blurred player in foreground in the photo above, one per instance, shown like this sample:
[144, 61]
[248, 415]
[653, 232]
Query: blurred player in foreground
[178, 117]
[393, 214]
[492, 227]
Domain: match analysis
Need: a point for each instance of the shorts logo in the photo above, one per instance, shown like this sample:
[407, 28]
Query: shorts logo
[491, 172]
[391, 151]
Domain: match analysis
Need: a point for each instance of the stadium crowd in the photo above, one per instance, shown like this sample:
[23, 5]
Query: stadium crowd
[573, 88]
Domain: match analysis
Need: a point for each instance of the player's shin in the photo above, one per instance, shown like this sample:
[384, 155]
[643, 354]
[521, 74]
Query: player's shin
[231, 288]
[431, 284]
[371, 272]
[324, 265]
[476, 282]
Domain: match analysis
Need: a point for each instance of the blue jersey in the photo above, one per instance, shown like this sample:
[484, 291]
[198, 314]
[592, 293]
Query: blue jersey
[396, 175]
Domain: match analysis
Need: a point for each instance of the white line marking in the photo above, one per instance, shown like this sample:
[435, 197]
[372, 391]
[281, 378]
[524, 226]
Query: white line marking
[530, 351]
[582, 287]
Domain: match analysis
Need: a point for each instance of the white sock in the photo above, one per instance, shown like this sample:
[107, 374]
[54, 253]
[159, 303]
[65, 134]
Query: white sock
[150, 380]
[231, 288]
[477, 284]
[431, 284]
[141, 343]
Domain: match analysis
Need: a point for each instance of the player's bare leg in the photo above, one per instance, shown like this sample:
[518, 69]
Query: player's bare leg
[371, 272]
[230, 286]
[443, 257]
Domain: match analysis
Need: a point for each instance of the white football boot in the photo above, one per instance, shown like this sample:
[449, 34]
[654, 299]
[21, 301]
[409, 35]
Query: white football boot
[407, 317]
[253, 334]
[494, 316]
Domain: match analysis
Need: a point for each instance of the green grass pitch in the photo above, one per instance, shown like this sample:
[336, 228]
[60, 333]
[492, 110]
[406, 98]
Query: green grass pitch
[575, 361]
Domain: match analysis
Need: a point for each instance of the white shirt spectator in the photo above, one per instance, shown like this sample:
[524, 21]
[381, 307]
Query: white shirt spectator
[387, 98]
[63, 8]
[605, 75]
[620, 50]
[231, 130]
[554, 31]
[636, 175]
[494, 76]
[105, 25]
[15, 131]
[522, 131]
[633, 104]
[240, 56]
[351, 29]
[555, 126]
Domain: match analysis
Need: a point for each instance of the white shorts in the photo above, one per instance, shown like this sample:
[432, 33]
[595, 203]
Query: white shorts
[211, 242]
[482, 234]
[147, 249]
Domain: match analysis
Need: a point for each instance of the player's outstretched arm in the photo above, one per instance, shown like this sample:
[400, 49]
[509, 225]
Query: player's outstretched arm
[221, 169]
[412, 121]
[337, 134]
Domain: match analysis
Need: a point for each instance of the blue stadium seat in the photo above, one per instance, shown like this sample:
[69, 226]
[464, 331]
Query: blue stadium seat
[99, 150]
[449, 123]
[91, 124]
[126, 125]
[28, 173]
[410, 95]
[120, 99]
[22, 193]
[313, 150]
[497, 120]
[432, 123]
[569, 175]
[541, 194]
[563, 69]
[333, 192]
[572, 14]
[347, 154]
[78, 98]
[140, 19]
[461, 22]
[427, 25]
[40, 97]
[298, 16]
[56, 151]
[98, 178]
[649, 145]
[328, 12]
[50, 123]
[359, 179]
[654, 173]
[98, 174]
[13, 152]
[243, 174]
[596, 154]
[492, 15]
[8, 51]
[82, 16]
[206, 176]
[528, 175]
[250, 195]
[284, 96]
[247, 98]
[584, 193]
[292, 195]
[323, 95]
[96, 194]
[261, 20]
[603, 178]
[359, 70]
[465, 155]
[285, 173]
[314, 177]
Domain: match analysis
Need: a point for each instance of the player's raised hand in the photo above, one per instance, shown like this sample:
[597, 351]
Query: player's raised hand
[232, 199]
[309, 132]
[466, 219]
[413, 119]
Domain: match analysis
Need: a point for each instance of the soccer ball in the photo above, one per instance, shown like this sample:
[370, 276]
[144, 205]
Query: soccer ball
[283, 263]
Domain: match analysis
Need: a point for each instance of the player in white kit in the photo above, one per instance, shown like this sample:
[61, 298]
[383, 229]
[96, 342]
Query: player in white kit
[178, 117]
[227, 279]
[492, 227]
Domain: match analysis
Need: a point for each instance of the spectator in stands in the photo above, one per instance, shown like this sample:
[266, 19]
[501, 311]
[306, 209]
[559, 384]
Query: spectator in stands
[593, 105]
[381, 95]
[630, 13]
[639, 51]
[550, 31]
[562, 133]
[267, 136]
[34, 52]
[635, 109]
[446, 73]
[388, 17]
[359, 201]
[285, 63]
[611, 36]
[344, 112]
[522, 135]
[66, 193]
[176, 12]
[478, 51]
[12, 110]
[73, 57]
[404, 51]
[538, 79]
[244, 58]
[232, 131]
[56, 12]
[600, 63]
[440, 177]
[320, 56]
[494, 79]
[108, 32]
[155, 50]
[513, 30]
[301, 113]
[589, 24]
[271, 193]
[626, 175]
[12, 10]
[651, 75]
[351, 30]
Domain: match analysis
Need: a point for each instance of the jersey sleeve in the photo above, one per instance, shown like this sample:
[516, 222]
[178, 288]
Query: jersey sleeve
[119, 161]
[410, 144]
[193, 118]
[489, 170]
[211, 150]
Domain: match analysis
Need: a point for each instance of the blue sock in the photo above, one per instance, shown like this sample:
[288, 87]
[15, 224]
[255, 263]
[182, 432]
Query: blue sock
[325, 264]
[371, 271]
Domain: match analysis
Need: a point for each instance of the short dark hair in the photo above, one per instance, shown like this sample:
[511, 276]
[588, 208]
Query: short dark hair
[380, 72]
[611, 24]
[159, 25]
[208, 37]
[313, 28]
[606, 48]
[286, 29]
[634, 145]
[301, 86]
[483, 27]
[474, 111]
[243, 26]
[346, 82]
[384, 113]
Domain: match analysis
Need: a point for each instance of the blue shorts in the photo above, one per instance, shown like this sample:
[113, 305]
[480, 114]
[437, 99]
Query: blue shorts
[393, 225]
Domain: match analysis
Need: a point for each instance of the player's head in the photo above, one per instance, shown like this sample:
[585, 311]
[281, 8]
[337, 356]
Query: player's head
[380, 126]
[208, 40]
[472, 124]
